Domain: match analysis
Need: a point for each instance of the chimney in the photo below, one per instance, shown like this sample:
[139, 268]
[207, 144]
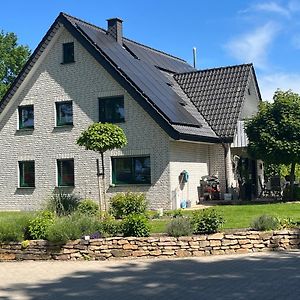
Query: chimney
[115, 30]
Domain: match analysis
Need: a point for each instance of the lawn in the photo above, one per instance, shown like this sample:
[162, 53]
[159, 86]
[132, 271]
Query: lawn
[240, 216]
[236, 216]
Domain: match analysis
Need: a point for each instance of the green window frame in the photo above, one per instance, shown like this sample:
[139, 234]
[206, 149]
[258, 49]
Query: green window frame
[68, 53]
[131, 170]
[26, 117]
[65, 172]
[111, 110]
[64, 113]
[26, 174]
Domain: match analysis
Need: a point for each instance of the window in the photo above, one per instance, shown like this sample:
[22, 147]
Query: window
[68, 53]
[111, 110]
[26, 174]
[64, 113]
[65, 172]
[26, 117]
[131, 170]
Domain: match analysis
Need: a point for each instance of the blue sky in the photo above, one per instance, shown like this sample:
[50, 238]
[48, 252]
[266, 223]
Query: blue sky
[266, 33]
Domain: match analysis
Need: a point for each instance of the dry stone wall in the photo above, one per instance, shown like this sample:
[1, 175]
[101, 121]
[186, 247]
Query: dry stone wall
[132, 247]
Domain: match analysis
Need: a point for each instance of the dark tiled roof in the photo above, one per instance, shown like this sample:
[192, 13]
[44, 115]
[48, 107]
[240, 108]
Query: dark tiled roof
[218, 94]
[147, 78]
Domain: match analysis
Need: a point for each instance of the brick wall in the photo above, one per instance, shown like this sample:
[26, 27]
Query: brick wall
[83, 82]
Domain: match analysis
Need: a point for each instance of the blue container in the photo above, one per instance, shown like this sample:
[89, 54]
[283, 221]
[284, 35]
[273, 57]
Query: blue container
[183, 204]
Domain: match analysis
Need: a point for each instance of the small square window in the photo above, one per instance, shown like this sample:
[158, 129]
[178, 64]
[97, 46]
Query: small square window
[131, 170]
[26, 174]
[65, 172]
[26, 117]
[68, 53]
[111, 110]
[64, 113]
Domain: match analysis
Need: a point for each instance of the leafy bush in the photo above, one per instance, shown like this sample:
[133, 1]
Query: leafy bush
[288, 223]
[88, 207]
[38, 226]
[206, 221]
[265, 222]
[180, 226]
[14, 228]
[177, 213]
[135, 225]
[72, 227]
[62, 203]
[124, 204]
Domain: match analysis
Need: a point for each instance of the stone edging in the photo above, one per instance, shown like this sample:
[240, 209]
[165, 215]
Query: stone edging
[133, 247]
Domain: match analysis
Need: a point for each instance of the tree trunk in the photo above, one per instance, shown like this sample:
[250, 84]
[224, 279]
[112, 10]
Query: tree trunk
[103, 181]
[292, 180]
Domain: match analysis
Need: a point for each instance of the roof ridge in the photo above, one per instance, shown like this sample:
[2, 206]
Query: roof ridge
[125, 38]
[216, 68]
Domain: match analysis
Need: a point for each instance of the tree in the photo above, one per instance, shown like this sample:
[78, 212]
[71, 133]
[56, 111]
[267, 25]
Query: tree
[274, 133]
[12, 59]
[101, 137]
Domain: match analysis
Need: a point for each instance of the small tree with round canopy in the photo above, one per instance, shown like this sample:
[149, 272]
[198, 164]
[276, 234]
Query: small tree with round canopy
[100, 137]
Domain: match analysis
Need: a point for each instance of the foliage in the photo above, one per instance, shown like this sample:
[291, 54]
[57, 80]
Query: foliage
[101, 137]
[124, 204]
[135, 225]
[111, 227]
[288, 223]
[12, 58]
[265, 222]
[62, 203]
[274, 133]
[177, 213]
[72, 227]
[25, 244]
[88, 207]
[206, 221]
[180, 226]
[38, 226]
[271, 170]
[13, 228]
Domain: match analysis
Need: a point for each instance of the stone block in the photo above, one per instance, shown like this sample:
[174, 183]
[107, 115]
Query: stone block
[216, 236]
[120, 253]
[183, 253]
[228, 242]
[140, 253]
[199, 253]
[129, 247]
[215, 243]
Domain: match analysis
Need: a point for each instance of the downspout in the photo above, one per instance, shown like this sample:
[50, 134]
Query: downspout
[225, 147]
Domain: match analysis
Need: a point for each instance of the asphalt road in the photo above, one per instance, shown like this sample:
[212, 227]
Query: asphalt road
[256, 276]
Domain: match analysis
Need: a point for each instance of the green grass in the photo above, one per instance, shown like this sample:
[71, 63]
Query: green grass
[240, 216]
[236, 216]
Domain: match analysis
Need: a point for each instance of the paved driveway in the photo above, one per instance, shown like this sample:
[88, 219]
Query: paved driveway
[256, 276]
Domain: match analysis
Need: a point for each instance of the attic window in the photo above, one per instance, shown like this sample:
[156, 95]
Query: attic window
[68, 53]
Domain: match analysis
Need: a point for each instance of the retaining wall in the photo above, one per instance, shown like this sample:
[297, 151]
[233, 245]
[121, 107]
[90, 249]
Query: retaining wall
[132, 247]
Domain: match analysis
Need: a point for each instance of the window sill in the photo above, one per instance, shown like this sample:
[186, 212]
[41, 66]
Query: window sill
[112, 185]
[66, 127]
[26, 187]
[29, 129]
[68, 63]
[65, 186]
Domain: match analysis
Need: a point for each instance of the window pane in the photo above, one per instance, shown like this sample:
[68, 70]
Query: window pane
[131, 170]
[122, 170]
[142, 170]
[26, 117]
[68, 52]
[112, 110]
[65, 172]
[27, 176]
[64, 111]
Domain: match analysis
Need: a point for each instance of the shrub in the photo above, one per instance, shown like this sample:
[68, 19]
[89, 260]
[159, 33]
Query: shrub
[72, 227]
[177, 213]
[88, 207]
[135, 225]
[124, 204]
[38, 226]
[265, 222]
[62, 203]
[206, 221]
[180, 226]
[288, 223]
[14, 228]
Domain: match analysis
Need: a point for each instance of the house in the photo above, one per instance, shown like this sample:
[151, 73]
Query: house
[176, 119]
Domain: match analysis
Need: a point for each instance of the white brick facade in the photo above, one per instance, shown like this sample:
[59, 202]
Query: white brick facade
[84, 82]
